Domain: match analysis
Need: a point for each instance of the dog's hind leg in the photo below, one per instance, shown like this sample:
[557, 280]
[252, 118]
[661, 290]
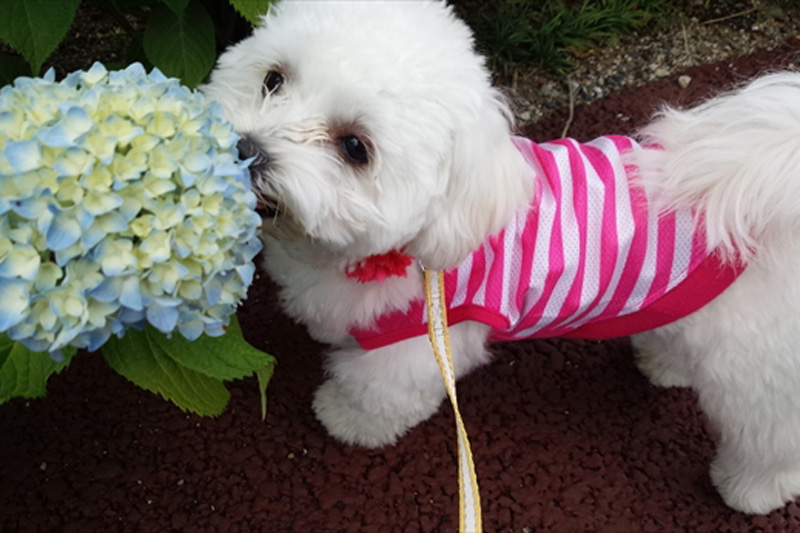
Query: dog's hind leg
[662, 357]
[744, 347]
[373, 397]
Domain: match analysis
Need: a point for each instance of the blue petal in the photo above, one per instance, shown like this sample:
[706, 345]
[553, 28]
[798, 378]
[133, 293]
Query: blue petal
[76, 122]
[246, 273]
[212, 185]
[64, 256]
[107, 291]
[187, 178]
[181, 249]
[63, 232]
[31, 208]
[226, 165]
[162, 318]
[215, 110]
[85, 218]
[23, 156]
[213, 292]
[96, 73]
[136, 69]
[72, 79]
[45, 220]
[131, 294]
[92, 236]
[197, 162]
[130, 316]
[191, 329]
[77, 119]
[130, 208]
[168, 301]
[14, 301]
[116, 327]
[22, 262]
[113, 222]
[5, 206]
[157, 76]
[66, 164]
[215, 328]
[96, 338]
[56, 136]
[249, 250]
[34, 345]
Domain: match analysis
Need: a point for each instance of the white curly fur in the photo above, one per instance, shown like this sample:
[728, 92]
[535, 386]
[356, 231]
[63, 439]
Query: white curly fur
[443, 175]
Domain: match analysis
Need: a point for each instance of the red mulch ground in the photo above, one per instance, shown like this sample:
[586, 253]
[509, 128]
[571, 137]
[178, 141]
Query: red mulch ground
[567, 436]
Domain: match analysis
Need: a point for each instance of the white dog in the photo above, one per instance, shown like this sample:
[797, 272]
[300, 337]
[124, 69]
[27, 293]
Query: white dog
[380, 145]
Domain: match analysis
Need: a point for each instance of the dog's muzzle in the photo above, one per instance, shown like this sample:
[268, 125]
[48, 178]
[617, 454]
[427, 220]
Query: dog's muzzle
[249, 149]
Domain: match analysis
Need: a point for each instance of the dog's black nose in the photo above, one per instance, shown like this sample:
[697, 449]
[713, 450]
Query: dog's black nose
[248, 148]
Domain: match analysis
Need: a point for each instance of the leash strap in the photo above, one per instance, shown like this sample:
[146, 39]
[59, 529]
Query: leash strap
[468, 495]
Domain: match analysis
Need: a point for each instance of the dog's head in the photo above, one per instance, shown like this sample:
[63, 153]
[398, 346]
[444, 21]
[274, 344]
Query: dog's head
[374, 127]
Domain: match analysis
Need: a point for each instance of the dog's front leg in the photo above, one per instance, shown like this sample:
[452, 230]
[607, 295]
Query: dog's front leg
[373, 397]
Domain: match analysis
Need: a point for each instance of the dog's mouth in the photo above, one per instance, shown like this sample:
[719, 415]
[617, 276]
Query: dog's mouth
[267, 206]
[259, 162]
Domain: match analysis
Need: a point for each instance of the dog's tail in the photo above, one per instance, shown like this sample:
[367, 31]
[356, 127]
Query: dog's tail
[734, 159]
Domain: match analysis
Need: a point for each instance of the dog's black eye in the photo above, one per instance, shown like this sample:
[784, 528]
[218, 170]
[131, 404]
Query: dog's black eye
[354, 149]
[273, 82]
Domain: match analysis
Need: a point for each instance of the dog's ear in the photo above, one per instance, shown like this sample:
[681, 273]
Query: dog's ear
[487, 182]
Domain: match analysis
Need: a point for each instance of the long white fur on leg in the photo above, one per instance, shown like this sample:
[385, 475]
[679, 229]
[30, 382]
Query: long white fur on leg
[661, 355]
[735, 161]
[744, 350]
[373, 397]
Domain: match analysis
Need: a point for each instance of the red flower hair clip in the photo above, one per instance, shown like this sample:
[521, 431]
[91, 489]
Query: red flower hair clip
[381, 266]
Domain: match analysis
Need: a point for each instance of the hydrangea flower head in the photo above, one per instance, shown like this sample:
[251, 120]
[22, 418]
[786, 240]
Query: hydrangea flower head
[122, 202]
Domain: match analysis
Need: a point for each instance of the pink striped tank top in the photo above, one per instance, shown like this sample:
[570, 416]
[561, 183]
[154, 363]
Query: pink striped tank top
[587, 260]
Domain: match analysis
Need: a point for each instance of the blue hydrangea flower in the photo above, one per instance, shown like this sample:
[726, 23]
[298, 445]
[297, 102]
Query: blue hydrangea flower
[122, 202]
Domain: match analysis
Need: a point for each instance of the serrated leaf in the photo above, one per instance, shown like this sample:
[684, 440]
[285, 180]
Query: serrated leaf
[34, 28]
[11, 67]
[252, 10]
[177, 6]
[226, 358]
[264, 375]
[23, 373]
[143, 362]
[181, 45]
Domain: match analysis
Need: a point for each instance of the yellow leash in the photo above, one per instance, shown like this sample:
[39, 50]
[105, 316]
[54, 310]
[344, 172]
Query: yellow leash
[468, 495]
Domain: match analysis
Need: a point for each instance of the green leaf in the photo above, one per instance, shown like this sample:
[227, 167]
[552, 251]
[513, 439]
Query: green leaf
[23, 373]
[6, 345]
[226, 358]
[252, 10]
[11, 67]
[177, 6]
[264, 375]
[142, 361]
[34, 28]
[181, 45]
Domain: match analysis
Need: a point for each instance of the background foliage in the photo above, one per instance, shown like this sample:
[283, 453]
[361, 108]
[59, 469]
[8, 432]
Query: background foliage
[180, 37]
[544, 32]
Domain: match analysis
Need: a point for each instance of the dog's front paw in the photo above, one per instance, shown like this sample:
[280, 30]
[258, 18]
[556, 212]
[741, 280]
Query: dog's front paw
[365, 420]
[754, 489]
